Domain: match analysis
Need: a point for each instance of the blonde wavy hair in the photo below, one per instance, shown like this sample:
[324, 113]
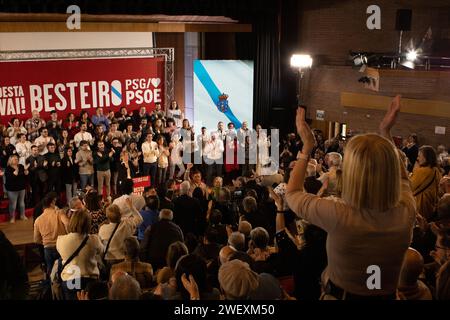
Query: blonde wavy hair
[371, 173]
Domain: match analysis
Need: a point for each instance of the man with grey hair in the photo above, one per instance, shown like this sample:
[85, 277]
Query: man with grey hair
[166, 214]
[188, 211]
[236, 241]
[185, 186]
[75, 204]
[125, 287]
[157, 239]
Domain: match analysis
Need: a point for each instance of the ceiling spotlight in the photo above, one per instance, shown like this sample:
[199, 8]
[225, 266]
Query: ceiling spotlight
[301, 61]
[411, 55]
[359, 60]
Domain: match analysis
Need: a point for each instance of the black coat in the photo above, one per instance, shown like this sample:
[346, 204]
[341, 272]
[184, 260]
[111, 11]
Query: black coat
[69, 170]
[5, 153]
[188, 214]
[157, 239]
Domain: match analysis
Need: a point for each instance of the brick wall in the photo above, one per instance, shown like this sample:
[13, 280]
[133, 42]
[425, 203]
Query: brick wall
[326, 83]
[329, 29]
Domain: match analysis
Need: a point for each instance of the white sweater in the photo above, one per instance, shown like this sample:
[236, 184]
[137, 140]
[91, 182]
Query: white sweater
[150, 151]
[86, 260]
[127, 228]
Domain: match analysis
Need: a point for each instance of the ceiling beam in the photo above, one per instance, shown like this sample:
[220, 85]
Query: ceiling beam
[43, 22]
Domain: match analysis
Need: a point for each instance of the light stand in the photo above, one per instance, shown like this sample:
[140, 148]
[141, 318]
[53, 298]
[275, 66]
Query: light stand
[300, 62]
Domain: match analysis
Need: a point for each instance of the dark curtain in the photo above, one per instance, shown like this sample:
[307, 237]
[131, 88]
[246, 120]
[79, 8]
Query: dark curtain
[267, 70]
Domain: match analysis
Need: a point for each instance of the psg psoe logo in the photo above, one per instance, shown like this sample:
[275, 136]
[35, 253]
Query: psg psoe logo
[222, 105]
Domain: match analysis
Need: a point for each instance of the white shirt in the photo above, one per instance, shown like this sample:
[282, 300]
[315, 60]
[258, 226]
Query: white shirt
[176, 115]
[80, 136]
[13, 135]
[137, 200]
[163, 159]
[214, 149]
[175, 154]
[86, 260]
[202, 140]
[127, 228]
[150, 151]
[23, 150]
[41, 141]
[263, 149]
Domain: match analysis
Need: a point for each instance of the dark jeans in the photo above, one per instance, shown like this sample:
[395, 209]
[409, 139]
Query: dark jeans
[54, 182]
[38, 190]
[150, 170]
[50, 256]
[86, 179]
[71, 294]
[162, 173]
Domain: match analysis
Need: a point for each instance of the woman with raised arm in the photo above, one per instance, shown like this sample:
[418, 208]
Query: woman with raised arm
[370, 228]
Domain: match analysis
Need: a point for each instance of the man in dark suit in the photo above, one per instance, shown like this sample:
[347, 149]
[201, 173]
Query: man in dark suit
[187, 212]
[38, 174]
[157, 239]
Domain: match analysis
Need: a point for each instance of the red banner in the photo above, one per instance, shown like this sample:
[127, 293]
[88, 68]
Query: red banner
[139, 184]
[76, 85]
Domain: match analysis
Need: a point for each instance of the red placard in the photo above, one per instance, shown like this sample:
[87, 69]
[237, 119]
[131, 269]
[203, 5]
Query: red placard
[76, 85]
[139, 184]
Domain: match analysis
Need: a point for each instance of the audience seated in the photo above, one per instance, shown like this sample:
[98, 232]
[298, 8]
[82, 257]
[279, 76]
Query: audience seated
[124, 287]
[237, 280]
[141, 271]
[410, 287]
[443, 282]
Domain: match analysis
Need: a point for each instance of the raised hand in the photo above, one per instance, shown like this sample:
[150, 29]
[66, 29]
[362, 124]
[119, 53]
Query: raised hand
[390, 117]
[191, 286]
[304, 131]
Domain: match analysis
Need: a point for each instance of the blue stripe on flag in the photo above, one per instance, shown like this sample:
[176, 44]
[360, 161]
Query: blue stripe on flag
[213, 91]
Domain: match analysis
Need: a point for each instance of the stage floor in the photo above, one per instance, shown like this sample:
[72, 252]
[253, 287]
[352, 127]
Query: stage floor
[19, 233]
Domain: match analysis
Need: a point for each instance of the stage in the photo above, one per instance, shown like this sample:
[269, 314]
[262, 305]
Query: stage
[19, 233]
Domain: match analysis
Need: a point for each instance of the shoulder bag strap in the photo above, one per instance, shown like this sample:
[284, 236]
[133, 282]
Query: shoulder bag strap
[109, 241]
[80, 247]
[426, 187]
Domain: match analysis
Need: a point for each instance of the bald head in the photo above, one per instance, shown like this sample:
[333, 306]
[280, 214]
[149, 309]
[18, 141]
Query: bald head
[412, 268]
[225, 254]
